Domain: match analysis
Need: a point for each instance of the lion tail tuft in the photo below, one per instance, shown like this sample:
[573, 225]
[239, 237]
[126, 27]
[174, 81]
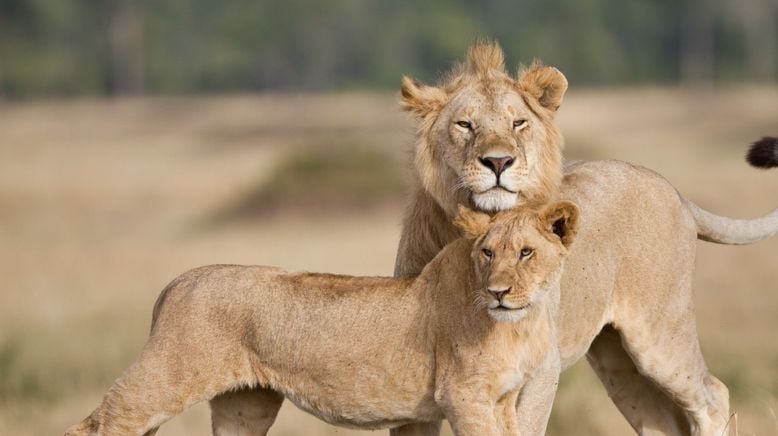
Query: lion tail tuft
[764, 153]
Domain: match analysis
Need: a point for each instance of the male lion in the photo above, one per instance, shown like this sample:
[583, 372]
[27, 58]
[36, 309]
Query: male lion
[459, 341]
[489, 141]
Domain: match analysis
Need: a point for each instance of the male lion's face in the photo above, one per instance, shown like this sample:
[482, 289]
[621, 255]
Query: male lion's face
[492, 144]
[518, 255]
[487, 139]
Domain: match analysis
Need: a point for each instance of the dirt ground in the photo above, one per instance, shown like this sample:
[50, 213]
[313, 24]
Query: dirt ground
[102, 202]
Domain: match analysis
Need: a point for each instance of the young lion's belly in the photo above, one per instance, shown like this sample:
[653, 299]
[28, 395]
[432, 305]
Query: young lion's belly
[343, 408]
[363, 382]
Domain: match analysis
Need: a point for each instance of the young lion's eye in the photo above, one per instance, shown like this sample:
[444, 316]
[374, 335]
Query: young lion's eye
[526, 253]
[487, 252]
[519, 124]
[465, 124]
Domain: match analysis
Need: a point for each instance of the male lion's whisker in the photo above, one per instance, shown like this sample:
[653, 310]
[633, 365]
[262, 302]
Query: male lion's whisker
[479, 302]
[460, 185]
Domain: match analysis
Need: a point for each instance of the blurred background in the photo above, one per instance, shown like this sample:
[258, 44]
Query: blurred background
[113, 47]
[139, 139]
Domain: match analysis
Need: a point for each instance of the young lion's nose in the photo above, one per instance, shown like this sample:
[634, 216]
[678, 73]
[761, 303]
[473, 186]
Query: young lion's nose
[499, 293]
[496, 164]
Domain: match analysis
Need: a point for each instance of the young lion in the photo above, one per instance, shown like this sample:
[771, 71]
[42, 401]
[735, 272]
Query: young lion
[456, 342]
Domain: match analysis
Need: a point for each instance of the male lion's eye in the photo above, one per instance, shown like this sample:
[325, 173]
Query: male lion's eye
[519, 124]
[526, 253]
[465, 124]
[487, 252]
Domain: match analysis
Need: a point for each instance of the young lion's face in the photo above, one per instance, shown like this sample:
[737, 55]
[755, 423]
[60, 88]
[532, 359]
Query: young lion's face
[518, 256]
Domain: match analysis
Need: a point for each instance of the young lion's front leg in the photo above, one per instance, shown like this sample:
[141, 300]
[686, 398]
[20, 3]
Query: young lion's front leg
[471, 413]
[507, 419]
[533, 407]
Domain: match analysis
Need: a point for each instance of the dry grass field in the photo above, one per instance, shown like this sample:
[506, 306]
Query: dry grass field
[102, 202]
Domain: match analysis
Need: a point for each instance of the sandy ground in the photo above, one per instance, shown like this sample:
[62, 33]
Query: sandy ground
[103, 202]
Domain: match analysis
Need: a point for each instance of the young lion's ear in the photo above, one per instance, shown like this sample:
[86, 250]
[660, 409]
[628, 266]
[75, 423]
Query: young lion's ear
[472, 224]
[561, 219]
[546, 84]
[421, 99]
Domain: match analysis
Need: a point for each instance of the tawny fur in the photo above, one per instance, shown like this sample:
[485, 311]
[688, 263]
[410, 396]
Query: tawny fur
[631, 268]
[363, 352]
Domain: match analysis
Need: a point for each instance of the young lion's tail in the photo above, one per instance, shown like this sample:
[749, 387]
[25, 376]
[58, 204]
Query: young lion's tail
[723, 230]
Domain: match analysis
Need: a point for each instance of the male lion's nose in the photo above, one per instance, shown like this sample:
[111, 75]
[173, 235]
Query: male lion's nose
[497, 164]
[499, 293]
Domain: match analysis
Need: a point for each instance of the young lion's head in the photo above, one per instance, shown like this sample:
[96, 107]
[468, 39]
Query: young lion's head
[485, 138]
[518, 255]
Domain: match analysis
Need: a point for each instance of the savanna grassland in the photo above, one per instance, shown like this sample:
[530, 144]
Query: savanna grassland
[102, 202]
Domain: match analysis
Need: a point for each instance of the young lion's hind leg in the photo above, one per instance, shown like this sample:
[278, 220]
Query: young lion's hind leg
[245, 412]
[161, 384]
[90, 426]
[87, 427]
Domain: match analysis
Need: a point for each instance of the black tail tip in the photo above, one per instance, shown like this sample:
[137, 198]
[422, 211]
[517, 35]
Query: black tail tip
[764, 153]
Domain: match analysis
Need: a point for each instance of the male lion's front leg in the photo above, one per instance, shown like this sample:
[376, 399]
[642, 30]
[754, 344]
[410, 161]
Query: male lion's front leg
[417, 429]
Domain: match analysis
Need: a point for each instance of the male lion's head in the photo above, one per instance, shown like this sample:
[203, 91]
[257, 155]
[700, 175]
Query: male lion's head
[518, 255]
[485, 138]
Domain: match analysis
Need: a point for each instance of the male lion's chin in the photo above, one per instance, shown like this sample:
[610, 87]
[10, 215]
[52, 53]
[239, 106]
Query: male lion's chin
[495, 200]
[501, 314]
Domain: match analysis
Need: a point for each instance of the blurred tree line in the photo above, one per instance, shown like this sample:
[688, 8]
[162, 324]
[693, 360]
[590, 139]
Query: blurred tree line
[76, 47]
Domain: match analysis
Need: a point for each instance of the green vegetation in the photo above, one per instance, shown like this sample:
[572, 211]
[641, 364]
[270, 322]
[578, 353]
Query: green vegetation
[50, 47]
[326, 178]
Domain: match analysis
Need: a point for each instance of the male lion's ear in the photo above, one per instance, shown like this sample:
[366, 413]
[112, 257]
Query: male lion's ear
[546, 84]
[421, 99]
[472, 224]
[561, 219]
